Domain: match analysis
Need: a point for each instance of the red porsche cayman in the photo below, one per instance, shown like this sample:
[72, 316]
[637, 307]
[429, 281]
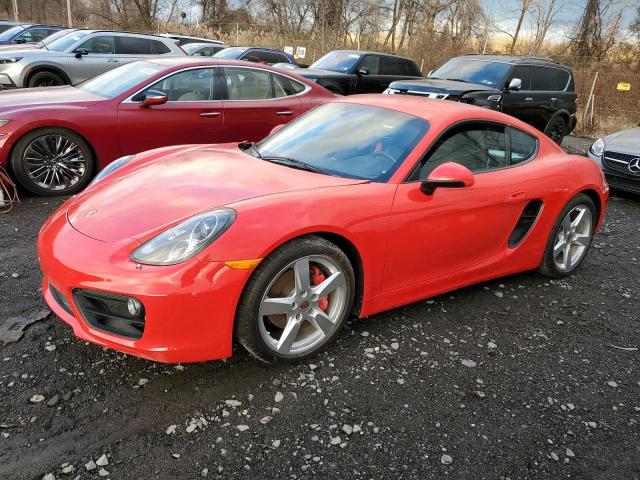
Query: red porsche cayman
[55, 140]
[361, 205]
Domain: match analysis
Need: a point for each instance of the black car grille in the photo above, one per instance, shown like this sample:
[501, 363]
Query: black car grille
[62, 301]
[109, 312]
[623, 183]
[620, 162]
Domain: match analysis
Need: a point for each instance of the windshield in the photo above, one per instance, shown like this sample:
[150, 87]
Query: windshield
[117, 81]
[348, 140]
[61, 44]
[337, 61]
[12, 32]
[55, 36]
[232, 52]
[479, 72]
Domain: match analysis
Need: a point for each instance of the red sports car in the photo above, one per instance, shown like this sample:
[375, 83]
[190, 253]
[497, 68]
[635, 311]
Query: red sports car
[361, 205]
[55, 139]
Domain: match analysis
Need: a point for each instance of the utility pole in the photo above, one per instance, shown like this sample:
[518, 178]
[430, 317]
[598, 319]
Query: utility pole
[15, 10]
[69, 22]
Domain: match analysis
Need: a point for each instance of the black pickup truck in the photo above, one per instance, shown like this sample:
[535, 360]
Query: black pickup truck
[347, 72]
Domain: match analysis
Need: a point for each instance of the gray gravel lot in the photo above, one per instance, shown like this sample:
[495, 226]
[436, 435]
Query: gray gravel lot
[515, 378]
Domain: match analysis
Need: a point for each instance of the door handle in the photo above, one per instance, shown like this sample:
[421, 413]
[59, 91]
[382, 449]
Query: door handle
[284, 114]
[210, 114]
[554, 99]
[516, 196]
[112, 60]
[528, 99]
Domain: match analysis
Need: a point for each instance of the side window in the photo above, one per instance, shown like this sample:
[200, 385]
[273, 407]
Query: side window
[523, 146]
[479, 147]
[523, 72]
[159, 48]
[34, 35]
[391, 66]
[411, 68]
[99, 45]
[549, 79]
[247, 84]
[264, 57]
[134, 46]
[371, 62]
[284, 86]
[187, 86]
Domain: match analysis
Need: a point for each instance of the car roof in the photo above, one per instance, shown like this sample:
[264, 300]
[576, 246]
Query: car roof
[180, 35]
[434, 110]
[100, 30]
[514, 59]
[187, 60]
[204, 44]
[367, 52]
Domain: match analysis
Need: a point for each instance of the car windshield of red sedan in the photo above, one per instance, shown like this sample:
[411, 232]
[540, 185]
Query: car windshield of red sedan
[117, 81]
[346, 140]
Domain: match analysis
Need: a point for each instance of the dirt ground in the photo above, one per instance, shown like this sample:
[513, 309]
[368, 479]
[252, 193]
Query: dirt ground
[518, 378]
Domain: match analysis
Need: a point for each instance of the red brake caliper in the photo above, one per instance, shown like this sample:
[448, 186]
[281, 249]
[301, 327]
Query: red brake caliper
[317, 277]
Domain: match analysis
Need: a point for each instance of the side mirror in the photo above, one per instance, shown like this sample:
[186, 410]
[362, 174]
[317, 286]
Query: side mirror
[363, 71]
[80, 52]
[447, 175]
[515, 84]
[276, 128]
[153, 97]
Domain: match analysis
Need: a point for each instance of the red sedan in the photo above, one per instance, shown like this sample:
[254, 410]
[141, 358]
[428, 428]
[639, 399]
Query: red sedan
[361, 205]
[55, 140]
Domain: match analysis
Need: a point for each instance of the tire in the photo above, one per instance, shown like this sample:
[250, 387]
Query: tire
[579, 235]
[45, 79]
[298, 326]
[556, 129]
[52, 171]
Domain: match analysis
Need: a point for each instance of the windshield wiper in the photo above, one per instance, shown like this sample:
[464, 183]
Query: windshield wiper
[250, 146]
[293, 163]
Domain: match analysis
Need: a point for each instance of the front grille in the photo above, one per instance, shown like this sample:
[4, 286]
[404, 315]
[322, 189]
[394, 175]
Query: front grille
[62, 301]
[619, 162]
[434, 95]
[109, 312]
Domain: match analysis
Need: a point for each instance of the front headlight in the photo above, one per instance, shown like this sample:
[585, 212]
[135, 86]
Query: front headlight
[185, 240]
[112, 167]
[597, 148]
[10, 60]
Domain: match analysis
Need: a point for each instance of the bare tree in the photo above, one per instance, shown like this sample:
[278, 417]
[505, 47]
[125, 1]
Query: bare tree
[545, 14]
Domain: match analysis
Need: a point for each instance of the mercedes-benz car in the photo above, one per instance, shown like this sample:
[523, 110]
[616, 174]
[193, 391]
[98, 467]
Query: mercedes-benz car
[619, 156]
[79, 56]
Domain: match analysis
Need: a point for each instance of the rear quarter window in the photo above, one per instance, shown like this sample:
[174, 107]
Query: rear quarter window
[549, 79]
[523, 146]
[159, 48]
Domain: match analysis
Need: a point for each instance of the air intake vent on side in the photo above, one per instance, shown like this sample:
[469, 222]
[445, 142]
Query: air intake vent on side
[525, 222]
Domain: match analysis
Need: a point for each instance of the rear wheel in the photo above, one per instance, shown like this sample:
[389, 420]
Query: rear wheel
[296, 302]
[45, 79]
[556, 129]
[570, 238]
[52, 161]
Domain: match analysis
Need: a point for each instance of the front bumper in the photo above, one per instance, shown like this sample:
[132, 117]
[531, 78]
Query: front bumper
[189, 308]
[618, 180]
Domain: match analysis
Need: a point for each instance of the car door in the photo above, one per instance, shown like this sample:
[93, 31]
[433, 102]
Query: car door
[255, 101]
[192, 114]
[522, 103]
[456, 229]
[92, 57]
[549, 85]
[372, 81]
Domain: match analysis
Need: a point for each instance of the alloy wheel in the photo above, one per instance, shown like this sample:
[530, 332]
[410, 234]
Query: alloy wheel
[54, 162]
[303, 305]
[573, 238]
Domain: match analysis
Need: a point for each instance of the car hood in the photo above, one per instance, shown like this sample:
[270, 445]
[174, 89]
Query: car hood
[151, 195]
[450, 87]
[12, 47]
[36, 97]
[28, 52]
[625, 139]
[315, 73]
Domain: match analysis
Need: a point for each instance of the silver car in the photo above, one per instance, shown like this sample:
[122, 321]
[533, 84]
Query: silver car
[79, 56]
[619, 156]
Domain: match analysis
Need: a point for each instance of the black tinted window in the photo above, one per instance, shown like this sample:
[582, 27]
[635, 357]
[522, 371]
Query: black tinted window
[134, 46]
[398, 66]
[99, 45]
[284, 86]
[523, 72]
[548, 79]
[523, 146]
[265, 57]
[159, 48]
[478, 147]
[372, 63]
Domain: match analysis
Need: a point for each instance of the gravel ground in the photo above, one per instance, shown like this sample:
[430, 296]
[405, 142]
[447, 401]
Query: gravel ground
[515, 378]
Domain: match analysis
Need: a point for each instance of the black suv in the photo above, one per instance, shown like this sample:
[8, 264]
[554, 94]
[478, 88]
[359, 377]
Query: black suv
[346, 72]
[538, 91]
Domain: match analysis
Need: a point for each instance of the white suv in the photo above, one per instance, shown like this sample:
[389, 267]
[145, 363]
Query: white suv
[79, 56]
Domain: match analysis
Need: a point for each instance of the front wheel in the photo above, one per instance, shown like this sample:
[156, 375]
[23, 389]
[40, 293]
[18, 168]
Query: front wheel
[52, 161]
[296, 302]
[570, 238]
[45, 79]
